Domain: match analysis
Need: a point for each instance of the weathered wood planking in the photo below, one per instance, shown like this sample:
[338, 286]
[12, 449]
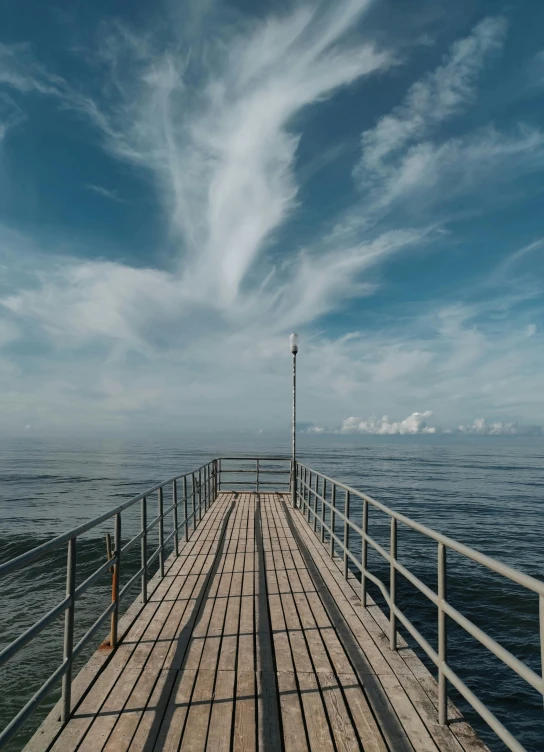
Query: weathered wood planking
[255, 641]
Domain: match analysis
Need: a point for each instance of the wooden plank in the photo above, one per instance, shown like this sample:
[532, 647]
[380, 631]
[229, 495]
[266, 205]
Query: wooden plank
[173, 722]
[150, 721]
[219, 735]
[294, 732]
[315, 715]
[268, 709]
[330, 660]
[245, 730]
[340, 721]
[203, 649]
[178, 710]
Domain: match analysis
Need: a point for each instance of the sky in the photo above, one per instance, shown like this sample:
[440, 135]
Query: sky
[184, 183]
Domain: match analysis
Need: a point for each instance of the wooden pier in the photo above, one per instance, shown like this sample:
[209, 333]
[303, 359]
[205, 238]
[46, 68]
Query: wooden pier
[253, 640]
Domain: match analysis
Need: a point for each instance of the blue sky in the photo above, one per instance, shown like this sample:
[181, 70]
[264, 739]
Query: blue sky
[184, 183]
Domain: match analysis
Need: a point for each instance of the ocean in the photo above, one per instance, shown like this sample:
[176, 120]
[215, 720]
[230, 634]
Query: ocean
[486, 492]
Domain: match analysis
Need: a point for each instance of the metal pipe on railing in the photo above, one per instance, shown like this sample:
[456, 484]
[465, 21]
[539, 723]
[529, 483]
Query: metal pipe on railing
[257, 477]
[193, 494]
[315, 502]
[161, 531]
[531, 583]
[175, 513]
[199, 494]
[115, 582]
[364, 553]
[324, 492]
[393, 586]
[442, 635]
[69, 618]
[185, 509]
[333, 505]
[346, 534]
[143, 549]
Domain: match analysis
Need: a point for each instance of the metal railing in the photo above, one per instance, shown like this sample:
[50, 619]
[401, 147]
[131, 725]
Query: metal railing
[199, 490]
[309, 493]
[265, 471]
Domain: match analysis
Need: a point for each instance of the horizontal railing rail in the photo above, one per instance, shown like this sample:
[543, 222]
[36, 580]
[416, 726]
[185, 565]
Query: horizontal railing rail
[199, 489]
[263, 469]
[309, 493]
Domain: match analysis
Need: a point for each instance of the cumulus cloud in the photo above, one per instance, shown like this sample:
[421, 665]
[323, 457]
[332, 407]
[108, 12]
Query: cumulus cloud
[417, 423]
[315, 429]
[482, 427]
[414, 423]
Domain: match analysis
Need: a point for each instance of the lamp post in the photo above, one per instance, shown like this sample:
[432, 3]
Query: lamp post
[293, 340]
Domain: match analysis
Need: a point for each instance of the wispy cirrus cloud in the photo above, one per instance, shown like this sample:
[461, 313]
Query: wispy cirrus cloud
[438, 96]
[104, 192]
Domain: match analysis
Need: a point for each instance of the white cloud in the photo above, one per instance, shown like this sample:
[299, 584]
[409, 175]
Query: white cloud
[105, 192]
[439, 95]
[414, 423]
[482, 427]
[315, 429]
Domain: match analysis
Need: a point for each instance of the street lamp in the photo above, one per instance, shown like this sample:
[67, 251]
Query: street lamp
[293, 341]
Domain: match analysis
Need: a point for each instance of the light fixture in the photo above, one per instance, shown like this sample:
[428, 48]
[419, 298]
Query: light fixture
[293, 340]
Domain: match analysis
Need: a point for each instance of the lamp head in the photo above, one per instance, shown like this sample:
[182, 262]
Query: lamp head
[293, 340]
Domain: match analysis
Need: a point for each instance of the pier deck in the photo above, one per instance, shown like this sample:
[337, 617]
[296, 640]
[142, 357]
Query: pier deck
[253, 640]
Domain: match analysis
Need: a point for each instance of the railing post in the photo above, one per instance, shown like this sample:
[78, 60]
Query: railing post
[323, 492]
[442, 635]
[346, 535]
[305, 492]
[115, 582]
[364, 553]
[393, 586]
[309, 489]
[315, 502]
[199, 494]
[219, 478]
[161, 532]
[185, 507]
[193, 494]
[143, 549]
[333, 505]
[175, 510]
[257, 478]
[69, 629]
[214, 480]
